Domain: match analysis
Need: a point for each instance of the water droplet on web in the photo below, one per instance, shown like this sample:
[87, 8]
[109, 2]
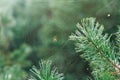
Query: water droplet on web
[108, 15]
[55, 39]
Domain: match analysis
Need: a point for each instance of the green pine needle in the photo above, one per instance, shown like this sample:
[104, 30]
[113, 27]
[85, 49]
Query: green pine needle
[46, 72]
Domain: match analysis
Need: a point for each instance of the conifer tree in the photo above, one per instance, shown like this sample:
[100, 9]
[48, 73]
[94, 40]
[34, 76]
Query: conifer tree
[35, 29]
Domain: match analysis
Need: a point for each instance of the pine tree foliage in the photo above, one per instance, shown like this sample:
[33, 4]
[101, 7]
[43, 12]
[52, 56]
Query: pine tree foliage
[26, 22]
[118, 37]
[118, 43]
[97, 49]
[14, 72]
[46, 72]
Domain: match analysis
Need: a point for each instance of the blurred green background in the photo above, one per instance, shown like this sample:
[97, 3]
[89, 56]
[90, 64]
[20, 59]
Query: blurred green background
[31, 30]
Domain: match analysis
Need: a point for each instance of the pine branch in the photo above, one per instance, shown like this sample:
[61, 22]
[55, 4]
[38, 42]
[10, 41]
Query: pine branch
[46, 72]
[89, 39]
